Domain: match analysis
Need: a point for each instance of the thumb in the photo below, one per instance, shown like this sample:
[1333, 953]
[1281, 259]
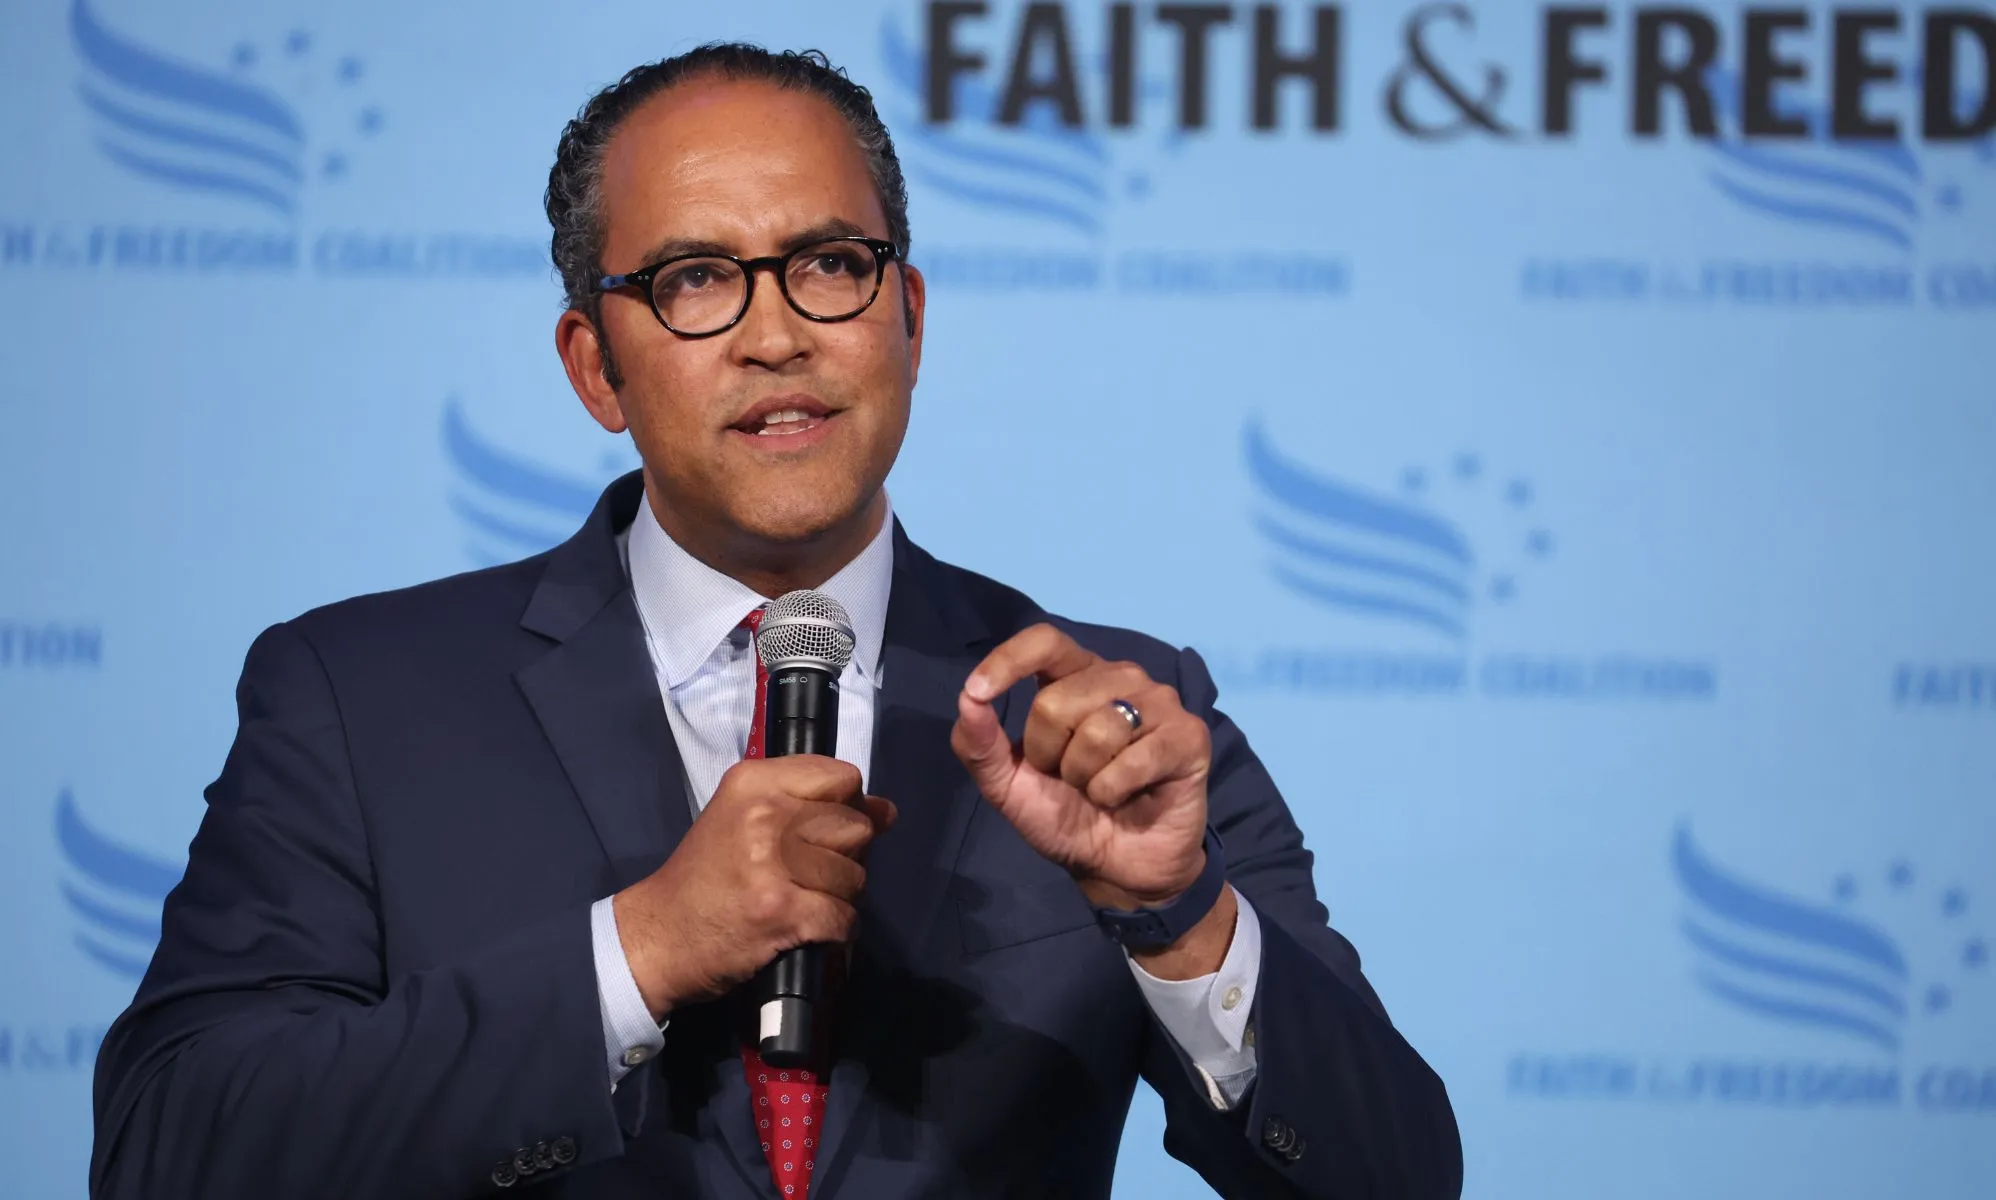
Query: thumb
[980, 743]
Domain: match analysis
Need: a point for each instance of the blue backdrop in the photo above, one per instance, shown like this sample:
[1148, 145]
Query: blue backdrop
[1581, 483]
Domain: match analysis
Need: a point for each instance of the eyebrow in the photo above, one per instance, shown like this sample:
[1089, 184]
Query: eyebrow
[833, 227]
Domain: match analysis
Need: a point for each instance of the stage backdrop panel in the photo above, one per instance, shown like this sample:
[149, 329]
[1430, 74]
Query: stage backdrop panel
[1566, 432]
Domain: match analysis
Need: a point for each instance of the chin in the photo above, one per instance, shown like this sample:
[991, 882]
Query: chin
[801, 521]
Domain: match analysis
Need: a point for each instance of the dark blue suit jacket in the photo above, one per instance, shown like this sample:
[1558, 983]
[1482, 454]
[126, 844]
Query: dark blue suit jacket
[376, 978]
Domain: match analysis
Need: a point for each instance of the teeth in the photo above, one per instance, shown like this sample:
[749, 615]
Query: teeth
[785, 416]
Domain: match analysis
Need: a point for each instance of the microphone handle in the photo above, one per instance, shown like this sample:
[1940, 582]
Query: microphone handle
[801, 715]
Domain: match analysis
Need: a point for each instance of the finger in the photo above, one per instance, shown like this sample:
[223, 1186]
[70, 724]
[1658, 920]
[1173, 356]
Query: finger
[1100, 737]
[1063, 705]
[1181, 748]
[814, 777]
[822, 918]
[836, 828]
[1040, 650]
[817, 869]
[881, 811]
[981, 745]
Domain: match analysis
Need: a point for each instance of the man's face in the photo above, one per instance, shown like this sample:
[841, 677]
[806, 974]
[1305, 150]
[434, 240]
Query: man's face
[748, 169]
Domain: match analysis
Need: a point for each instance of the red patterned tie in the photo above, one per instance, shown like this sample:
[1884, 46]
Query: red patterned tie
[789, 1105]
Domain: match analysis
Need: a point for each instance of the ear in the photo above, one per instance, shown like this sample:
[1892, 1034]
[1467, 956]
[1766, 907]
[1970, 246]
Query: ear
[581, 347]
[914, 302]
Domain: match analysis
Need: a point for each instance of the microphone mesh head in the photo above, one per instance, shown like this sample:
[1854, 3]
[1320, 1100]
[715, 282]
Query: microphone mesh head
[805, 629]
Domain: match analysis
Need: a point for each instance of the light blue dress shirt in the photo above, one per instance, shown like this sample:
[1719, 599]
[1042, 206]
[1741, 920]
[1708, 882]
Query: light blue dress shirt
[706, 675]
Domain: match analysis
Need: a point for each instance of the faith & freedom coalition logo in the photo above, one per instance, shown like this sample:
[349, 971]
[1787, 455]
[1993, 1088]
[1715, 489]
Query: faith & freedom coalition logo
[1016, 155]
[1935, 687]
[1858, 141]
[1879, 972]
[1850, 153]
[221, 155]
[1415, 565]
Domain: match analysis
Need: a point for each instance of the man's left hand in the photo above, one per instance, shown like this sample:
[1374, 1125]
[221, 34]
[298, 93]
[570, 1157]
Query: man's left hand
[1122, 809]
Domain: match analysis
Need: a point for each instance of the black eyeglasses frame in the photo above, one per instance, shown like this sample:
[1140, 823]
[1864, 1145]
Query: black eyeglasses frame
[883, 253]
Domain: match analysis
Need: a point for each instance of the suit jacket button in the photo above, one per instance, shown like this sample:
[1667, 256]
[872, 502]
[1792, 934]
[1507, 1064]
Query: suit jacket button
[504, 1175]
[1274, 1132]
[523, 1161]
[1282, 1140]
[563, 1151]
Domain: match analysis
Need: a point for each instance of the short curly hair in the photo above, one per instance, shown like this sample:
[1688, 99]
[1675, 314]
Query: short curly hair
[575, 194]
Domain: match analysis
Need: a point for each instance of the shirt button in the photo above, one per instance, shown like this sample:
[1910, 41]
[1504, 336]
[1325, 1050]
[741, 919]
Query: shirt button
[1232, 1000]
[636, 1056]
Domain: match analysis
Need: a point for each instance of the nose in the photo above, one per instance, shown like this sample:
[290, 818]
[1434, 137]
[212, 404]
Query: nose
[771, 334]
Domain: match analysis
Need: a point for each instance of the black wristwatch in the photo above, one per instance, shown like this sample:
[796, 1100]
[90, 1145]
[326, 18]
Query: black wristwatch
[1157, 928]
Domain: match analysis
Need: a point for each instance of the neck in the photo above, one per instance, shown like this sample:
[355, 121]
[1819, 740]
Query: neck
[771, 569]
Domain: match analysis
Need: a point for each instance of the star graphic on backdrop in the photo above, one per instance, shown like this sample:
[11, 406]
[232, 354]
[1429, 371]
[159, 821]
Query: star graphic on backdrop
[1468, 466]
[1975, 954]
[1502, 587]
[1954, 902]
[298, 43]
[1948, 197]
[1518, 493]
[335, 166]
[1137, 186]
[1846, 887]
[349, 69]
[1538, 543]
[1414, 479]
[370, 120]
[1901, 876]
[1937, 998]
[244, 56]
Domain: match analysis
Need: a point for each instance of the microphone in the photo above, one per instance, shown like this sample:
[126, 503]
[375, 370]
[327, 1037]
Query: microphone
[805, 641]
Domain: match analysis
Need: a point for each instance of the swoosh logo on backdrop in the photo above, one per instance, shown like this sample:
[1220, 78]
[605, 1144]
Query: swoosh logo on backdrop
[511, 506]
[185, 126]
[1786, 959]
[115, 892]
[1353, 550]
[1866, 188]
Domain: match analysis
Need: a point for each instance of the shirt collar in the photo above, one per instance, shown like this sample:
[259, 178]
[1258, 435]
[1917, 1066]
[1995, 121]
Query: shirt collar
[689, 608]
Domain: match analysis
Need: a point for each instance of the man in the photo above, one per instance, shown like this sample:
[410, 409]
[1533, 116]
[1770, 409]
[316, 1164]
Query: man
[451, 924]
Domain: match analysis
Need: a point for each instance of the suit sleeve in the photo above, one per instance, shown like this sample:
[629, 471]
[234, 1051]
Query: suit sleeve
[1342, 1107]
[268, 1054]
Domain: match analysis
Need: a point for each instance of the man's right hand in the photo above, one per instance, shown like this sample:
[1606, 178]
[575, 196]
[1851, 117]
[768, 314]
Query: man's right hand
[771, 863]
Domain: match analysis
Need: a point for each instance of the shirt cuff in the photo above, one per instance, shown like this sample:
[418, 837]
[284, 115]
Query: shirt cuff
[630, 1036]
[1210, 1017]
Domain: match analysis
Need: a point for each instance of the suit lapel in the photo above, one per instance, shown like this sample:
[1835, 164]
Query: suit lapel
[597, 699]
[932, 642]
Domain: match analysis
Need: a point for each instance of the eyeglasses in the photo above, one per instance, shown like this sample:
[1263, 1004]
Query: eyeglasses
[700, 295]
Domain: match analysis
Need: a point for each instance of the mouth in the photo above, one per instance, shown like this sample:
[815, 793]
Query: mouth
[784, 417]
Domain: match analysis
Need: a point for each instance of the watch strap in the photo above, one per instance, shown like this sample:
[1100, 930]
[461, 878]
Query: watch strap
[1154, 928]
